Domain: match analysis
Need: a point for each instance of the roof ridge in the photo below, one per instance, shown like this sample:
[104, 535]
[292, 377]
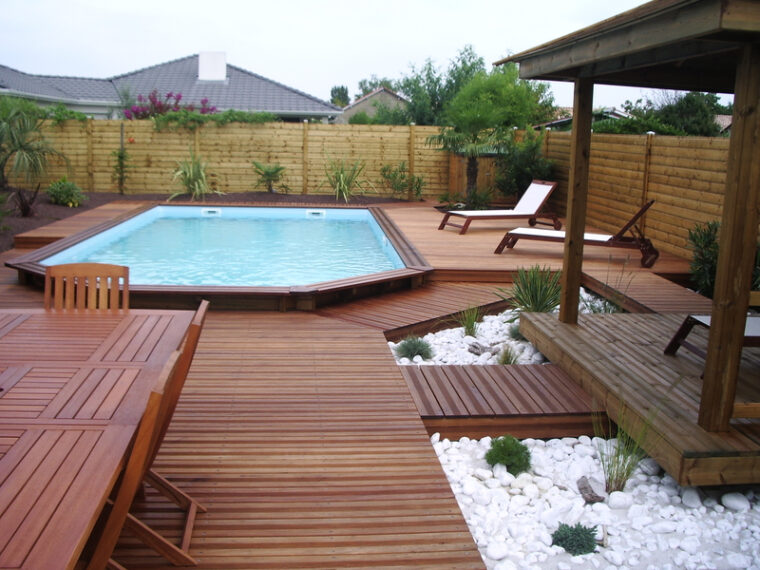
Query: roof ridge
[146, 68]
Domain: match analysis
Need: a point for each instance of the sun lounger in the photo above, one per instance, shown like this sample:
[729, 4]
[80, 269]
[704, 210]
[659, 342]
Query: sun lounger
[529, 206]
[751, 334]
[636, 240]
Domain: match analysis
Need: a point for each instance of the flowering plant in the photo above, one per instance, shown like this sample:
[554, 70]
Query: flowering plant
[154, 105]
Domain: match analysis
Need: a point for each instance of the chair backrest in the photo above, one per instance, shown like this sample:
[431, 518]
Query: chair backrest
[143, 446]
[633, 220]
[535, 196]
[86, 286]
[176, 382]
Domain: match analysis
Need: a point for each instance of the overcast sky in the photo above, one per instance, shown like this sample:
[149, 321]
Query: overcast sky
[311, 45]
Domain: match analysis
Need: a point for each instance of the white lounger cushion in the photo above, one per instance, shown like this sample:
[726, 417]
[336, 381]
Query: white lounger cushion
[556, 234]
[751, 328]
[531, 201]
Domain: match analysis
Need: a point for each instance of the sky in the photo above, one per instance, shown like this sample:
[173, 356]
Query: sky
[310, 45]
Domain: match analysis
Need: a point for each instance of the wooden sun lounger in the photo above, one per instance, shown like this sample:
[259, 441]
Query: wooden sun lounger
[529, 206]
[751, 334]
[649, 253]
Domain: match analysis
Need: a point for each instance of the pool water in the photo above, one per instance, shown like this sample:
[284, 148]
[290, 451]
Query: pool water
[240, 246]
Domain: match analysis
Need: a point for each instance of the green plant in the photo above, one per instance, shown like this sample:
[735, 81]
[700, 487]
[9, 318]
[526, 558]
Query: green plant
[519, 162]
[507, 356]
[703, 240]
[452, 200]
[269, 176]
[345, 179]
[22, 143]
[468, 320]
[401, 182]
[514, 332]
[191, 174]
[576, 539]
[620, 457]
[510, 452]
[479, 199]
[535, 290]
[120, 168]
[59, 113]
[413, 346]
[66, 193]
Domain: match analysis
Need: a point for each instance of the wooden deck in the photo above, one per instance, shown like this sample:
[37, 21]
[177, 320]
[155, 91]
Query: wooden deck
[537, 400]
[299, 435]
[619, 360]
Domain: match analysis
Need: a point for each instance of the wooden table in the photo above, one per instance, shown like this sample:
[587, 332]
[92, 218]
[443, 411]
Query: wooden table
[73, 387]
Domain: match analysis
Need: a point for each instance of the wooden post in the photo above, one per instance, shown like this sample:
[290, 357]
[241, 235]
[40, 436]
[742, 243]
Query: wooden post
[645, 183]
[738, 243]
[411, 157]
[580, 151]
[305, 154]
[90, 156]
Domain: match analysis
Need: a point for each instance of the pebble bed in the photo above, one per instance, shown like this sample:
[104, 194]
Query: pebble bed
[653, 524]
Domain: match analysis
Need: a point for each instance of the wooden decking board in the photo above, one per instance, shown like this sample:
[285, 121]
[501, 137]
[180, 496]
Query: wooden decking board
[619, 358]
[340, 457]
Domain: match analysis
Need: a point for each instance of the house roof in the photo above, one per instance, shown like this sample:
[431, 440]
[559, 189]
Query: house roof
[242, 90]
[690, 45]
[373, 94]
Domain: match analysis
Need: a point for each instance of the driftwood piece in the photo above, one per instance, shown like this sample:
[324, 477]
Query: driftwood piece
[589, 495]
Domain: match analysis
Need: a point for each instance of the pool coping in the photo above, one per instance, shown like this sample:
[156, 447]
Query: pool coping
[283, 298]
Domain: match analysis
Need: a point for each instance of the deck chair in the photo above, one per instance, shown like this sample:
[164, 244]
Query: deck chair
[529, 206]
[636, 240]
[86, 286]
[144, 452]
[751, 334]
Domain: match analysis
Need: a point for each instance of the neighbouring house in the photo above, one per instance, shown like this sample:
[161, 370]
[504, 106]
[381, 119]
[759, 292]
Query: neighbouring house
[369, 102]
[205, 75]
[565, 122]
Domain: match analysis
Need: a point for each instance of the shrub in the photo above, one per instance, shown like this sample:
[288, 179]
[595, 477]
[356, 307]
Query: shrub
[120, 168]
[468, 320]
[510, 452]
[576, 539]
[514, 332]
[519, 163]
[269, 176]
[400, 182]
[345, 179]
[66, 193]
[191, 174]
[413, 346]
[535, 290]
[507, 356]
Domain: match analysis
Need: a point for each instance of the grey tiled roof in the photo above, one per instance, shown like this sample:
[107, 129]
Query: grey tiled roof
[242, 90]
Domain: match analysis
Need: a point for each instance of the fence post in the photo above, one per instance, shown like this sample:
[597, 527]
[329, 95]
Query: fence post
[645, 185]
[305, 158]
[411, 157]
[90, 156]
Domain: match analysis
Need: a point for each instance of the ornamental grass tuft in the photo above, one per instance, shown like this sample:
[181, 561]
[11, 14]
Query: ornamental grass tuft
[413, 346]
[534, 290]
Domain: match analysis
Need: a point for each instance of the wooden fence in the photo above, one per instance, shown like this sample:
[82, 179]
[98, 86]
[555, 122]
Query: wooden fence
[685, 175]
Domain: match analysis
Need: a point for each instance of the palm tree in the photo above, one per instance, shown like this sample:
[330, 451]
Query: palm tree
[22, 143]
[269, 175]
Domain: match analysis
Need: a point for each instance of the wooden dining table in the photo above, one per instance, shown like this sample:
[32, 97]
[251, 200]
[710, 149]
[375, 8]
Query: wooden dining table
[73, 387]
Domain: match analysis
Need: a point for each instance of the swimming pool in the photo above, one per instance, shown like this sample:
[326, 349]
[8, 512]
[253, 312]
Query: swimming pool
[292, 272]
[240, 246]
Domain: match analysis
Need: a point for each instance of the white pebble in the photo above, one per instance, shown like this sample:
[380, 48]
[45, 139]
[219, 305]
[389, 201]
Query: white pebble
[497, 550]
[619, 500]
[735, 502]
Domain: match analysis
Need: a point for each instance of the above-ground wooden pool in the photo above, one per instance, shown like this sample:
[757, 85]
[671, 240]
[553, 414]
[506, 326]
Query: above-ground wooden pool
[372, 258]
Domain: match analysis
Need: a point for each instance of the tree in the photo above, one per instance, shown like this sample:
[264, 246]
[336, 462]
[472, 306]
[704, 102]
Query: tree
[367, 86]
[339, 95]
[22, 143]
[481, 116]
[693, 113]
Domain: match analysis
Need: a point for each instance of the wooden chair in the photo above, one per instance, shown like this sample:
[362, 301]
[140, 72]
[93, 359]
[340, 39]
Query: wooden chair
[636, 240]
[529, 206]
[147, 443]
[751, 334]
[86, 286]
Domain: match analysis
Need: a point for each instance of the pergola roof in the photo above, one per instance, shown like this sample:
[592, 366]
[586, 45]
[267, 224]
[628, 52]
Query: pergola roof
[689, 45]
[695, 45]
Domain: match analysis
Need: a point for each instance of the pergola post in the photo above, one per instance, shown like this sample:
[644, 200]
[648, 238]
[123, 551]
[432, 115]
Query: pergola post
[738, 243]
[580, 150]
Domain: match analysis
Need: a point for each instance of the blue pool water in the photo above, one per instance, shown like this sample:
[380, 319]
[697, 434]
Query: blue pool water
[240, 246]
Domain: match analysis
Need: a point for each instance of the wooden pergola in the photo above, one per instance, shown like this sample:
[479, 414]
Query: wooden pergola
[694, 45]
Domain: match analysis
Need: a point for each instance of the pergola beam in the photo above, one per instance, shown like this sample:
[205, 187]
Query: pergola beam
[738, 243]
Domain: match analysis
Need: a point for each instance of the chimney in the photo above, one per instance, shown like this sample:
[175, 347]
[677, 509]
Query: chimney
[212, 66]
